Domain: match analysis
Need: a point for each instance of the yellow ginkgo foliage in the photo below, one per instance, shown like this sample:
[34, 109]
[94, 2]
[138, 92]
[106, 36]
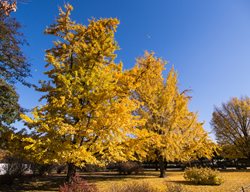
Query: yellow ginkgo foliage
[175, 133]
[88, 115]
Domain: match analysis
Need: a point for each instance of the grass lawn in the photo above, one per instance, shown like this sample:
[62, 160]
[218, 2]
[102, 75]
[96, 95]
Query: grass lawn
[233, 181]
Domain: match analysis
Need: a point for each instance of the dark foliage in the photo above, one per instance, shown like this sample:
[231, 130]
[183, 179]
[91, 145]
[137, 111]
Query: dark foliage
[129, 167]
[42, 169]
[9, 107]
[61, 168]
[7, 179]
[13, 64]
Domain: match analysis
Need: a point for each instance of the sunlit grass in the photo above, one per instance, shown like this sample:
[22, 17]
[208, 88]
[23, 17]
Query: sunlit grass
[233, 181]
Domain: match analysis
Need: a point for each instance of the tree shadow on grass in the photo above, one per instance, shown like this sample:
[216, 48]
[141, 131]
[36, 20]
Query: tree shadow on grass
[35, 183]
[234, 170]
[109, 176]
[52, 182]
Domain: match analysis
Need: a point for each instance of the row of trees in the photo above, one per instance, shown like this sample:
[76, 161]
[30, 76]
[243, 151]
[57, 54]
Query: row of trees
[95, 111]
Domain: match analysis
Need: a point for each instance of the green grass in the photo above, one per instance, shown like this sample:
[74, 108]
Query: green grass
[233, 180]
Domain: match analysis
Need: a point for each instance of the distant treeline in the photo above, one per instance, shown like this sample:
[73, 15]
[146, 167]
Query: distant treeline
[213, 163]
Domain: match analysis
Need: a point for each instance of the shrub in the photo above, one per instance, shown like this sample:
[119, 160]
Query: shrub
[93, 168]
[133, 187]
[78, 185]
[202, 176]
[42, 169]
[129, 167]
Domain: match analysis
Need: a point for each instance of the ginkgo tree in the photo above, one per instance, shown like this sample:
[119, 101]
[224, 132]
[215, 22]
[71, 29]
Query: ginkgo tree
[175, 133]
[88, 115]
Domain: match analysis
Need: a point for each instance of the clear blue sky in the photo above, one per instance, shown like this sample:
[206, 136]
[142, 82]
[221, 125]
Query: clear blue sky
[207, 41]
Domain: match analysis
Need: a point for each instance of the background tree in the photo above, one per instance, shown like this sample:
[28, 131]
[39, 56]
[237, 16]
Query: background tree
[176, 134]
[231, 124]
[88, 115]
[13, 65]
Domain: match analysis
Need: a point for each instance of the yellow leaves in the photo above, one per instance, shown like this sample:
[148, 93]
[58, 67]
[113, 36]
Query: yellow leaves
[80, 156]
[68, 7]
[166, 112]
[29, 140]
[29, 147]
[26, 118]
[50, 58]
[64, 46]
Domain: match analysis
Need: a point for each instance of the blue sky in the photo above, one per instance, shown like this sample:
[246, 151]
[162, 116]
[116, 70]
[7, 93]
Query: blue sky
[207, 41]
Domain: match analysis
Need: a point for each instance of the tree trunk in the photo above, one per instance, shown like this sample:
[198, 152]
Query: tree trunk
[162, 167]
[156, 166]
[71, 172]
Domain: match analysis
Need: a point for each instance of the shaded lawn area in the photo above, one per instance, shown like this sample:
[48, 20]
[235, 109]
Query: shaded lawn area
[233, 181]
[35, 183]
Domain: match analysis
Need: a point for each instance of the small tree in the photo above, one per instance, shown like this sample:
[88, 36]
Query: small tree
[231, 124]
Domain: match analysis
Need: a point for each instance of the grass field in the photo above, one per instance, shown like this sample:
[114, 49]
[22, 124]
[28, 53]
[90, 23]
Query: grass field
[233, 181]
